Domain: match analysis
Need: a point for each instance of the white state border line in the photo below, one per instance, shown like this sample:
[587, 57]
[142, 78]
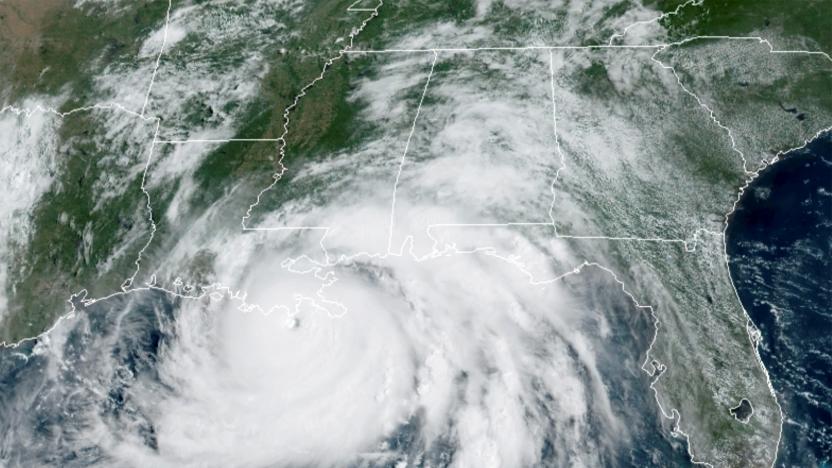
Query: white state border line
[276, 176]
[350, 51]
[656, 19]
[558, 149]
[500, 48]
[751, 328]
[685, 242]
[51, 110]
[689, 244]
[660, 45]
[214, 140]
[158, 59]
[108, 105]
[404, 154]
[127, 283]
[658, 368]
[352, 7]
[674, 413]
[710, 111]
[104, 106]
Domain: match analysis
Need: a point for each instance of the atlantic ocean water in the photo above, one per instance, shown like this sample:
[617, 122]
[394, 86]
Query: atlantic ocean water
[779, 243]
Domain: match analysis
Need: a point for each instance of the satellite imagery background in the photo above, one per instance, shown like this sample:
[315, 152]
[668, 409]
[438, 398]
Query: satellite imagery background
[416, 233]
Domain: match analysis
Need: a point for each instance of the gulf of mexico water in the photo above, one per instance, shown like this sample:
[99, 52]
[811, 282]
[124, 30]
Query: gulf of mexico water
[779, 244]
[80, 395]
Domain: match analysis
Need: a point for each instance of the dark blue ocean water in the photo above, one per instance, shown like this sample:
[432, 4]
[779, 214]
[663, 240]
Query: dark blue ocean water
[92, 375]
[780, 251]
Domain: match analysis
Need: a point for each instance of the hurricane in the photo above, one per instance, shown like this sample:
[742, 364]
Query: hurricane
[376, 360]
[389, 234]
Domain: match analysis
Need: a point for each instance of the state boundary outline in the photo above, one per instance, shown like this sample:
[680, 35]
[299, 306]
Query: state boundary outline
[658, 367]
[127, 285]
[688, 243]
